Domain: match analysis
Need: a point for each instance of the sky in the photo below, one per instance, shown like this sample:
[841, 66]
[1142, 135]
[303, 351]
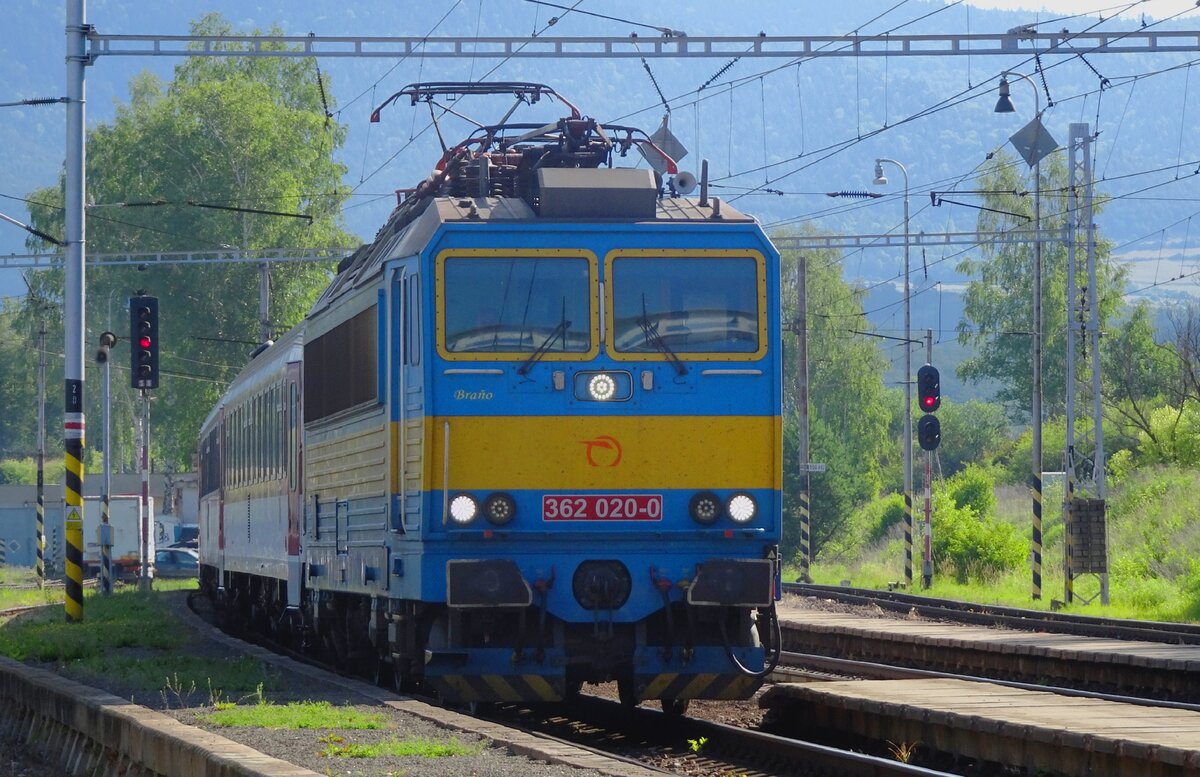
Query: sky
[37, 162]
[1157, 9]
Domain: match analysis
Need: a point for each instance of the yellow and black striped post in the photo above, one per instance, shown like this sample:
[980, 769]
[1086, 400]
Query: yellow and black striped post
[41, 450]
[805, 540]
[73, 427]
[41, 522]
[1036, 561]
[908, 542]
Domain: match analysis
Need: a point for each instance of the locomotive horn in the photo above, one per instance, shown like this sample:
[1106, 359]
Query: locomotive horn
[684, 183]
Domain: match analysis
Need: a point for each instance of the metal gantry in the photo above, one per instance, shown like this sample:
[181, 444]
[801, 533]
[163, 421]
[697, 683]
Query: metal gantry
[1017, 41]
[205, 256]
[1084, 492]
[334, 253]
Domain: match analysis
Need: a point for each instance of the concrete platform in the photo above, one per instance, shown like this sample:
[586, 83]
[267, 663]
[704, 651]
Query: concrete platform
[1148, 668]
[1039, 731]
[93, 732]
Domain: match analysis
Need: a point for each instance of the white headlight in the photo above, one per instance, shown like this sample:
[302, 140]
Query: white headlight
[602, 387]
[741, 507]
[463, 509]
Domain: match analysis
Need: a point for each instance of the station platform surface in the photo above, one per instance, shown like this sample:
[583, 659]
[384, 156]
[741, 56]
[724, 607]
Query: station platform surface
[1036, 730]
[1117, 651]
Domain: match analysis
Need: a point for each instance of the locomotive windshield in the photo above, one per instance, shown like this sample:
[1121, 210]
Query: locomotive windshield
[517, 305]
[687, 305]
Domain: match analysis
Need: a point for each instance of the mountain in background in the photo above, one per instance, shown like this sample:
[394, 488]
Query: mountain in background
[778, 136]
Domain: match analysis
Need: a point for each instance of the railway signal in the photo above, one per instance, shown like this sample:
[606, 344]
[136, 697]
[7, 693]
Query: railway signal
[929, 397]
[929, 432]
[143, 337]
[929, 388]
[107, 341]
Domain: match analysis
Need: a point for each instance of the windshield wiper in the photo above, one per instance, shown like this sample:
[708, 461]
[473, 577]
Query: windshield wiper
[650, 333]
[560, 330]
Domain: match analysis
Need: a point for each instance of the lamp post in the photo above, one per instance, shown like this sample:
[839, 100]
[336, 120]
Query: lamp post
[1005, 105]
[881, 180]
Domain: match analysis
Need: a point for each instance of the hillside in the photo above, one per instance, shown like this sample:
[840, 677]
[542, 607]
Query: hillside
[808, 122]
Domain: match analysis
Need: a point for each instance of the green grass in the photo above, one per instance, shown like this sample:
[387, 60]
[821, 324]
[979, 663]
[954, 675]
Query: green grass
[15, 590]
[301, 714]
[337, 747]
[125, 619]
[1153, 544]
[132, 639]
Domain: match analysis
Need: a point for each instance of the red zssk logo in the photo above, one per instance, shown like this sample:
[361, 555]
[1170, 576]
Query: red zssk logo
[602, 451]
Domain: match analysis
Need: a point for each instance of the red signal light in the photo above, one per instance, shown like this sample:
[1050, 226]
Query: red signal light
[144, 341]
[929, 389]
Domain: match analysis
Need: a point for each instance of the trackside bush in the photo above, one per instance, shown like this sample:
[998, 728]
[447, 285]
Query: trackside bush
[974, 487]
[880, 515]
[970, 547]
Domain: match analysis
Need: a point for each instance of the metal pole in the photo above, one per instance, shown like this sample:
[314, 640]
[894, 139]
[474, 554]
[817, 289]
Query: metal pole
[105, 527]
[1035, 407]
[908, 478]
[146, 568]
[1035, 479]
[73, 305]
[1093, 303]
[1075, 225]
[908, 484]
[927, 563]
[264, 302]
[41, 450]
[805, 475]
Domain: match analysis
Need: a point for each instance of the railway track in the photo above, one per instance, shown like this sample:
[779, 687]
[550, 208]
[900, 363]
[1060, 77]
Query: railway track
[1004, 617]
[1089, 656]
[807, 667]
[695, 746]
[690, 745]
[671, 744]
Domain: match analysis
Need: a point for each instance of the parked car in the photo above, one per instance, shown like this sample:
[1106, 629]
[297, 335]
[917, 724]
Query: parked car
[176, 562]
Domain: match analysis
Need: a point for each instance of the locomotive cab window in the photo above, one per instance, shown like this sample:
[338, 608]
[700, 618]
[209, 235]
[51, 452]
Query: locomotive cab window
[705, 305]
[510, 306]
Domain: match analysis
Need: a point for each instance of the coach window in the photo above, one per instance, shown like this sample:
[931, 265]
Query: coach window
[254, 446]
[709, 306]
[255, 441]
[293, 408]
[235, 447]
[498, 307]
[244, 444]
[276, 433]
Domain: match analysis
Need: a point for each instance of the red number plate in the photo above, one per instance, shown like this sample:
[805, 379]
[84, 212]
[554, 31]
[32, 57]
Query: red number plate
[609, 507]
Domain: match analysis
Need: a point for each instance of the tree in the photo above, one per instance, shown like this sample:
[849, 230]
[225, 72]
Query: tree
[1140, 375]
[18, 353]
[192, 165]
[849, 410]
[998, 309]
[972, 432]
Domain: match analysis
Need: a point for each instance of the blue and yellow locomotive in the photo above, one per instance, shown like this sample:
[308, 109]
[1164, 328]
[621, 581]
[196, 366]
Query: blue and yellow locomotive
[528, 438]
